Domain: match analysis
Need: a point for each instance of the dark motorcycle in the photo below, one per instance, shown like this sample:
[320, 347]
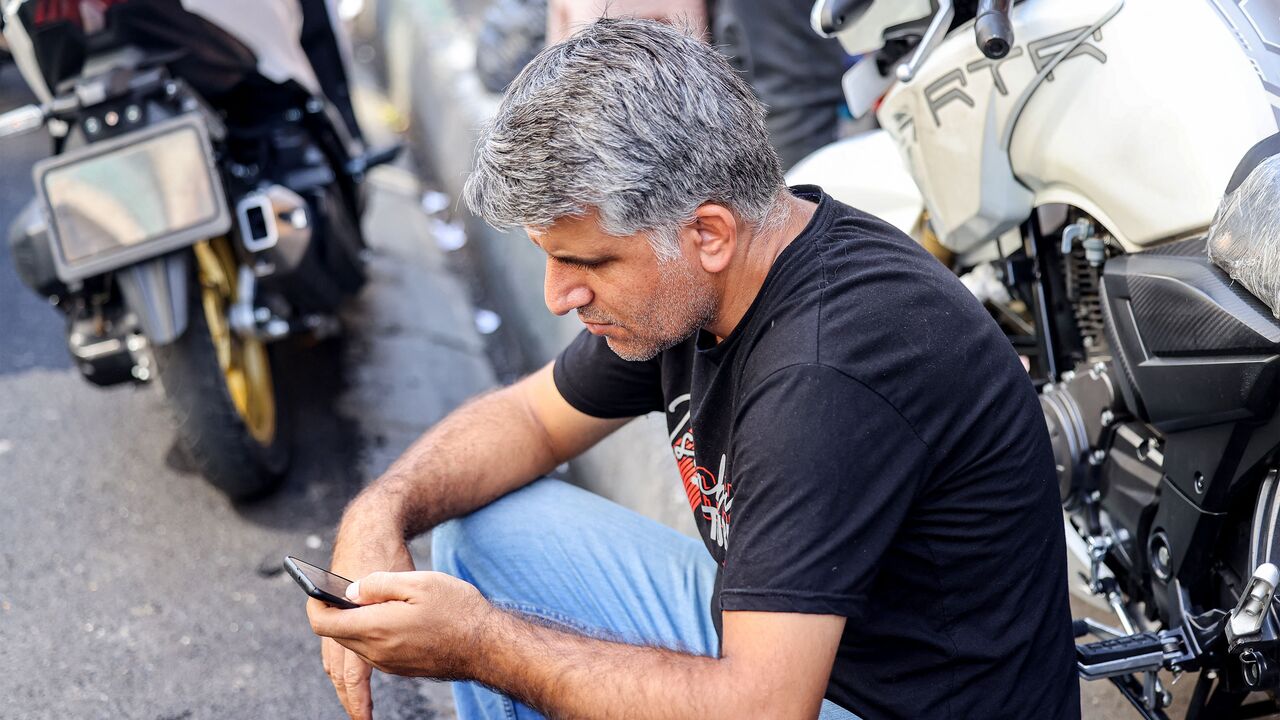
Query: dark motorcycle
[202, 202]
[1166, 433]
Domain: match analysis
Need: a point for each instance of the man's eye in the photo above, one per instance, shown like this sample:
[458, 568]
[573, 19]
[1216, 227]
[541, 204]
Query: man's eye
[583, 265]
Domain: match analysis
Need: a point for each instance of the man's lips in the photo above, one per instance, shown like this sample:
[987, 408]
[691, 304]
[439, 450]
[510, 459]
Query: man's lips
[595, 327]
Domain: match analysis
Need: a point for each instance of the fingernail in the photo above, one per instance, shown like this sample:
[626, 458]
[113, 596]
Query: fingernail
[353, 591]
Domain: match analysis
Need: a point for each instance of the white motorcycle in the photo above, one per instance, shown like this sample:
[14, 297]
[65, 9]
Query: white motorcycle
[1068, 160]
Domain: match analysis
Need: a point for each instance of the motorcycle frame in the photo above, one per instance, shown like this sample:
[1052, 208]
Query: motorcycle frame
[1243, 451]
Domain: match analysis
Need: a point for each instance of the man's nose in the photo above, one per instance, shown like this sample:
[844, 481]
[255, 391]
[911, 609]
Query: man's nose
[563, 292]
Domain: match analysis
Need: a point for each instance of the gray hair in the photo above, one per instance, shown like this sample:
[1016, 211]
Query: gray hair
[636, 120]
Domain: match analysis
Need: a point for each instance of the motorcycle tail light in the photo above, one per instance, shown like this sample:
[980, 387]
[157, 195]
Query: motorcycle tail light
[90, 16]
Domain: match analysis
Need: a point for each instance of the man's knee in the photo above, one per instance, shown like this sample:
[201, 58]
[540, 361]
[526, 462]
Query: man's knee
[444, 543]
[518, 517]
[458, 542]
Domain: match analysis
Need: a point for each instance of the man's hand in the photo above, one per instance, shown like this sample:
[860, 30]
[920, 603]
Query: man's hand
[430, 624]
[410, 623]
[480, 452]
[348, 671]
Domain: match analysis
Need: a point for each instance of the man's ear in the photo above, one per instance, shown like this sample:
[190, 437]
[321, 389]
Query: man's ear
[715, 234]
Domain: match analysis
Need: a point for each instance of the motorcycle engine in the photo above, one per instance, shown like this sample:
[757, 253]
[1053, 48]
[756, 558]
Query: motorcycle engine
[1078, 410]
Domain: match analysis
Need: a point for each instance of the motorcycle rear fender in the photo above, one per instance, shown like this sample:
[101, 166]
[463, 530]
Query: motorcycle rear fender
[156, 292]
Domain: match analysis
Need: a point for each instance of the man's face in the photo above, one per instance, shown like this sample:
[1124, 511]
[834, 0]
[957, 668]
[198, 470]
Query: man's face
[620, 289]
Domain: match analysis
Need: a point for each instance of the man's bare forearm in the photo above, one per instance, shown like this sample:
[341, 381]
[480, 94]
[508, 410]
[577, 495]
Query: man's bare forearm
[481, 451]
[563, 674]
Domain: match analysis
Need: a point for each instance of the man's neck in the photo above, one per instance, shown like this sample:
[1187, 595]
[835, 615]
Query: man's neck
[743, 281]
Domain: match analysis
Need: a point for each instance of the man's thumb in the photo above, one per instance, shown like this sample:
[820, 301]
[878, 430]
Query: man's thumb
[353, 591]
[380, 587]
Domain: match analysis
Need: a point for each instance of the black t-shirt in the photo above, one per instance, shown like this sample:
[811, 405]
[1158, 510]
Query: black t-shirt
[866, 443]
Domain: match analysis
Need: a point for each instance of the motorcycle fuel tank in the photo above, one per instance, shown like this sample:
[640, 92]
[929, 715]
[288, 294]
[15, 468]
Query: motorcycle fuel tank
[882, 188]
[1133, 111]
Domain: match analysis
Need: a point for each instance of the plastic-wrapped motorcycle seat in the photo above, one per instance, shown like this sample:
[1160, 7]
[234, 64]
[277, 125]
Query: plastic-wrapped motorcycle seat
[1244, 239]
[250, 59]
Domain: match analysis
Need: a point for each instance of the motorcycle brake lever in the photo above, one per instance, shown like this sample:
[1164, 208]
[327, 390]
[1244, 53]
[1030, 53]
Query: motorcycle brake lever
[933, 36]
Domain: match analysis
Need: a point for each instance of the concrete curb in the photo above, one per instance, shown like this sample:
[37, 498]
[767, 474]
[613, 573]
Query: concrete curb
[430, 61]
[413, 355]
[431, 79]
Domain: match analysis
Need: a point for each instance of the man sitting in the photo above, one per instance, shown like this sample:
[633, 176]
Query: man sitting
[863, 453]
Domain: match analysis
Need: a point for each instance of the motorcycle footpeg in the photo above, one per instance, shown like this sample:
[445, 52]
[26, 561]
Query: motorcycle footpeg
[369, 160]
[1142, 652]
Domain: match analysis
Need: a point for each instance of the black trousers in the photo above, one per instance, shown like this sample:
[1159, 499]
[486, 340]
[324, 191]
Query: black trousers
[793, 71]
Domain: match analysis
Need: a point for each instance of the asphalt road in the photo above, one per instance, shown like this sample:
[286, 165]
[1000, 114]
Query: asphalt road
[128, 587]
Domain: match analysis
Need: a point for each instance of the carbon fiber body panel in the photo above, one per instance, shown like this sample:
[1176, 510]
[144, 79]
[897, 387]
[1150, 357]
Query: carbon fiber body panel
[1178, 318]
[1194, 348]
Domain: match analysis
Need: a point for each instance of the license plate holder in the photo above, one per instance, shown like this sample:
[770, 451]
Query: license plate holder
[120, 201]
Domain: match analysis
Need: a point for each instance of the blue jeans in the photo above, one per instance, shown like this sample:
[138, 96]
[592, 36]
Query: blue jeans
[574, 559]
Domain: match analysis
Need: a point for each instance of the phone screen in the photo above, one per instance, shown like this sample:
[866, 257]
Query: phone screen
[318, 582]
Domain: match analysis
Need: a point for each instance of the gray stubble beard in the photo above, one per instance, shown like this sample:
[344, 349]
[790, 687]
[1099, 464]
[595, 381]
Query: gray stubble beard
[691, 306]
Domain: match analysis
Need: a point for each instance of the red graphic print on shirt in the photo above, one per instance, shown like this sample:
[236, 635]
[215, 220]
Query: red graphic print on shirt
[710, 494]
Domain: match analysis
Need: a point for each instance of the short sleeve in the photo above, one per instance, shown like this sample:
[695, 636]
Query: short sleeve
[824, 471]
[593, 379]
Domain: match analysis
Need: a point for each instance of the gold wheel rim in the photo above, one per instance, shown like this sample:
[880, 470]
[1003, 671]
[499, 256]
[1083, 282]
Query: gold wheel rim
[246, 371]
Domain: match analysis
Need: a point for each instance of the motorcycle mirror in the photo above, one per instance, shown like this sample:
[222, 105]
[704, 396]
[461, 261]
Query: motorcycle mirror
[21, 120]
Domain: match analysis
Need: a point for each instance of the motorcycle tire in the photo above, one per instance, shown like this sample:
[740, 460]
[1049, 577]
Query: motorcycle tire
[343, 244]
[212, 429]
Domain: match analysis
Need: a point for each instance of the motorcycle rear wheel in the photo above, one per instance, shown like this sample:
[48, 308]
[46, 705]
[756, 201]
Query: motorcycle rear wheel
[221, 387]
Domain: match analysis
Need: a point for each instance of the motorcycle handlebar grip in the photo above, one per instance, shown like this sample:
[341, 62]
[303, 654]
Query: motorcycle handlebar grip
[993, 28]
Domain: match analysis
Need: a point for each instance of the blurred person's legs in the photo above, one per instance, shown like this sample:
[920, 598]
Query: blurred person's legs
[572, 559]
[565, 17]
[793, 71]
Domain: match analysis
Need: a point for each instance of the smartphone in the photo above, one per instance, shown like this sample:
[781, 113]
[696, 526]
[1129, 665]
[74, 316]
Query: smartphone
[319, 583]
